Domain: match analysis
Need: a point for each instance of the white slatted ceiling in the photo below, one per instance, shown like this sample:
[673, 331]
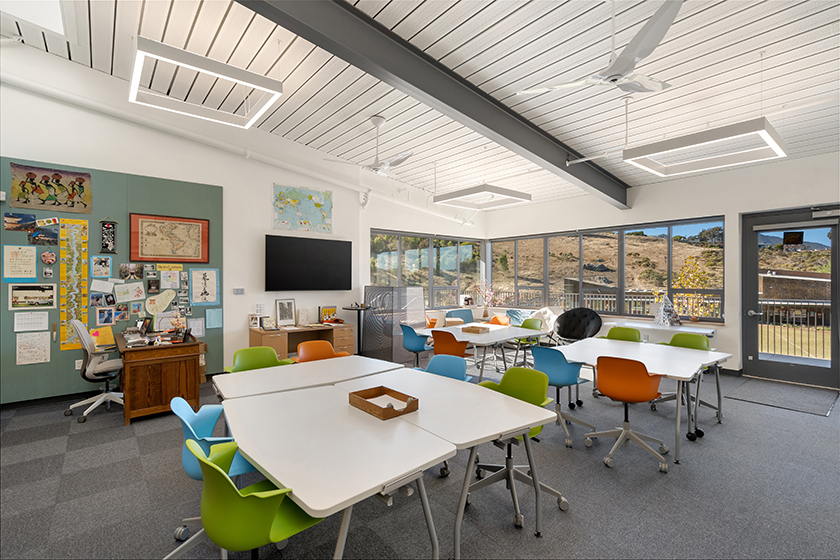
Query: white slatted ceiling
[710, 56]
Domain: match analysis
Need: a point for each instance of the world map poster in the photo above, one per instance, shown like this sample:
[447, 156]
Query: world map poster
[73, 291]
[296, 208]
[168, 239]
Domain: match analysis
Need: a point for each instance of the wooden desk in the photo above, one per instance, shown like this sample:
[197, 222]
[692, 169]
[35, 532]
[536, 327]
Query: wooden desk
[153, 375]
[285, 340]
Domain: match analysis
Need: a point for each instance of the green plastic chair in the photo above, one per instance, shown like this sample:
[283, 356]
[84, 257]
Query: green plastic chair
[531, 386]
[525, 343]
[243, 519]
[694, 342]
[256, 357]
[624, 333]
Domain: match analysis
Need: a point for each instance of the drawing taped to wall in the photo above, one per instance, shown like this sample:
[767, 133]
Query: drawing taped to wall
[34, 187]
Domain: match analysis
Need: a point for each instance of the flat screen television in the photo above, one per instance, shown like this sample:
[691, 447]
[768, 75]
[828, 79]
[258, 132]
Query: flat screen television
[304, 264]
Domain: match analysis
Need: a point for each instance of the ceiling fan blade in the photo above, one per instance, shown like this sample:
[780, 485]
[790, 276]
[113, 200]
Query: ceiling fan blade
[546, 89]
[340, 161]
[646, 40]
[639, 83]
[384, 173]
[394, 161]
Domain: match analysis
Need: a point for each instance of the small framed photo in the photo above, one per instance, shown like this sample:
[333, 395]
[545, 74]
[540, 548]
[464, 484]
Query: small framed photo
[121, 312]
[188, 311]
[185, 275]
[48, 272]
[154, 286]
[183, 293]
[97, 300]
[100, 267]
[285, 312]
[136, 307]
[183, 300]
[105, 316]
[254, 320]
[185, 284]
[149, 267]
[32, 296]
[110, 299]
[151, 274]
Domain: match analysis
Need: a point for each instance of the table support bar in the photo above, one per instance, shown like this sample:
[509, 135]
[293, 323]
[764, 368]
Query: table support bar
[462, 503]
[430, 524]
[342, 533]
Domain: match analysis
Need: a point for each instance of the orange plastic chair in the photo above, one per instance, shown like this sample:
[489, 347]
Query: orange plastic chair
[628, 381]
[500, 320]
[430, 323]
[445, 343]
[313, 350]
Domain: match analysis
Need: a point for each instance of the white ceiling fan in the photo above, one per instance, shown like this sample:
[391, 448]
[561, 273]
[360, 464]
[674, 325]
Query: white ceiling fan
[380, 167]
[620, 73]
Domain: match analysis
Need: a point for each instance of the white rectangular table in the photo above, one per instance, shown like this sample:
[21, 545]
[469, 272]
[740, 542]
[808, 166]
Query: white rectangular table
[680, 364]
[297, 376]
[645, 326]
[463, 414]
[331, 454]
[496, 334]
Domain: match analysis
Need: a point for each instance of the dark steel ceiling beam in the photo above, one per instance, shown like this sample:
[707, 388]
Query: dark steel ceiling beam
[346, 32]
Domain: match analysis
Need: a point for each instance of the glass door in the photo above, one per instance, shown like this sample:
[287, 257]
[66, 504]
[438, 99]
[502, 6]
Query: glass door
[790, 298]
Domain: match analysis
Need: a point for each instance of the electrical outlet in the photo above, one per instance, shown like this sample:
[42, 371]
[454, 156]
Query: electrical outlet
[238, 291]
[78, 365]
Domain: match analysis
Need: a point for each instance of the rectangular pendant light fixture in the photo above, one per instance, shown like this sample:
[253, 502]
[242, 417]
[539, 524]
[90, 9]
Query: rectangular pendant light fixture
[735, 144]
[496, 197]
[152, 50]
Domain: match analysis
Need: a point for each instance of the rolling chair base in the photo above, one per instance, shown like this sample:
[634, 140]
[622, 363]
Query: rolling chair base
[626, 434]
[107, 398]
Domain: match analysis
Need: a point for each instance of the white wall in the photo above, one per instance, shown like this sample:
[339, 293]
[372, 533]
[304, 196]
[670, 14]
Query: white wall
[44, 129]
[772, 186]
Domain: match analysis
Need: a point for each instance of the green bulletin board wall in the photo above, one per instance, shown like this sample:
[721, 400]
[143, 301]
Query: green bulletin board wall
[115, 195]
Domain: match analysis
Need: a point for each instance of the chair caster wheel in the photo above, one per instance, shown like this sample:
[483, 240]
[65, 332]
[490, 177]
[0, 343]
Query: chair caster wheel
[663, 467]
[538, 534]
[568, 443]
[588, 442]
[68, 412]
[563, 504]
[579, 402]
[468, 500]
[81, 419]
[691, 436]
[652, 406]
[182, 533]
[608, 461]
[663, 449]
[594, 394]
[444, 472]
[479, 473]
[282, 544]
[571, 405]
[476, 459]
[699, 433]
[519, 521]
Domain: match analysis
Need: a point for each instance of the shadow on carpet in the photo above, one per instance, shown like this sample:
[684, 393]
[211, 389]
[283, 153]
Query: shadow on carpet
[798, 398]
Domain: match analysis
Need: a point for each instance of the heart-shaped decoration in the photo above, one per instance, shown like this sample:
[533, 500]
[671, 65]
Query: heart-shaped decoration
[160, 302]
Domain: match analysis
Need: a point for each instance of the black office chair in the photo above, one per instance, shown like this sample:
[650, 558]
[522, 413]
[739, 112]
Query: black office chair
[572, 326]
[95, 370]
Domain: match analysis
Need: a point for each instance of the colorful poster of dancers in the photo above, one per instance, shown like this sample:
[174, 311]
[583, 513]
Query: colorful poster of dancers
[53, 189]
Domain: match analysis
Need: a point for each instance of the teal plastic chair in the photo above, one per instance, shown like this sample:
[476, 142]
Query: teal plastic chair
[198, 426]
[465, 315]
[624, 333]
[414, 343]
[530, 386]
[694, 342]
[525, 343]
[561, 373]
[256, 357]
[243, 519]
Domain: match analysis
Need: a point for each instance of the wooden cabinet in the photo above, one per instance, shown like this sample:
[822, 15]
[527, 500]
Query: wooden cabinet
[154, 375]
[285, 341]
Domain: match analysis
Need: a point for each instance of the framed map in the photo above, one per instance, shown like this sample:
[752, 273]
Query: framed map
[168, 239]
[296, 208]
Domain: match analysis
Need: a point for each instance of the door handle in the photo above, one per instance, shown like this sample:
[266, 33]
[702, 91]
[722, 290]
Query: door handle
[752, 313]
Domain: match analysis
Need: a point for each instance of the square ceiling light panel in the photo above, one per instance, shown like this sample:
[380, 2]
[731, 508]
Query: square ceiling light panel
[735, 144]
[149, 51]
[482, 197]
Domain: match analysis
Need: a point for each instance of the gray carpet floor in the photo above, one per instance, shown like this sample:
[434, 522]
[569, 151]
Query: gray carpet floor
[792, 397]
[764, 484]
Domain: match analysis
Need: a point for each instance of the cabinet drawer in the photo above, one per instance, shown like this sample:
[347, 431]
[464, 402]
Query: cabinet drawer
[339, 340]
[349, 349]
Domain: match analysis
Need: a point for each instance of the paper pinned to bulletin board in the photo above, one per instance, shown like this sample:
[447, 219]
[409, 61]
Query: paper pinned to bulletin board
[103, 336]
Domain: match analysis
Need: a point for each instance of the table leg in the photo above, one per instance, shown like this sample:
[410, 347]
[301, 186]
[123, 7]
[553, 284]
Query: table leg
[483, 359]
[462, 503]
[697, 401]
[361, 319]
[680, 384]
[430, 524]
[342, 533]
[533, 466]
[719, 396]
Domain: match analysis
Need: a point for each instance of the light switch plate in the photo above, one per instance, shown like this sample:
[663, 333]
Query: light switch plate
[78, 365]
[238, 291]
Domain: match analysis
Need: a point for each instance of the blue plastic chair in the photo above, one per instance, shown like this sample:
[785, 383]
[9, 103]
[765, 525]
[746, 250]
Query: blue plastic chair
[561, 373]
[444, 365]
[199, 426]
[464, 314]
[415, 343]
[518, 316]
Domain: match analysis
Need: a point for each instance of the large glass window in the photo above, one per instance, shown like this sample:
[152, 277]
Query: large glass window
[600, 271]
[645, 268]
[529, 272]
[384, 260]
[504, 272]
[564, 271]
[445, 268]
[697, 269]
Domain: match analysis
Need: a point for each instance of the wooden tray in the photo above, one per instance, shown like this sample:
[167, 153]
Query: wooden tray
[475, 329]
[361, 400]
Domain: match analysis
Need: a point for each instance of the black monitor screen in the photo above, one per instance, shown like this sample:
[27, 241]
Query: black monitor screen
[298, 264]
